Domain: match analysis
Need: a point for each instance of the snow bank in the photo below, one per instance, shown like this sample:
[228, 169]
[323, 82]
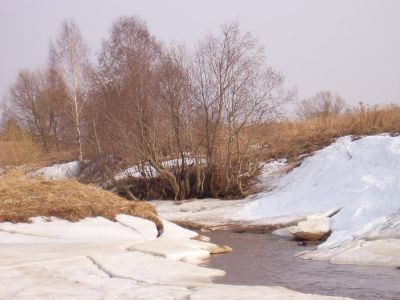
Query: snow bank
[59, 171]
[362, 177]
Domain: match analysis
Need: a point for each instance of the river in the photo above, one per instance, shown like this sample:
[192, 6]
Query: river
[263, 259]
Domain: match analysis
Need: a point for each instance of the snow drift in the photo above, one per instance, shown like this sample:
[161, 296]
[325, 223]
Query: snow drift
[362, 177]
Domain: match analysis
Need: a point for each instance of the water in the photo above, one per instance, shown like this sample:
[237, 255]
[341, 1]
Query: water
[262, 259]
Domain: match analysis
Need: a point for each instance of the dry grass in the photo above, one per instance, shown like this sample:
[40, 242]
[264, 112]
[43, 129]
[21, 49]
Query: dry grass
[66, 153]
[17, 147]
[17, 153]
[290, 139]
[22, 198]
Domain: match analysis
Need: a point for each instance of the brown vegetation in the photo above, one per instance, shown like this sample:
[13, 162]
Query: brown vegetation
[18, 147]
[64, 199]
[291, 139]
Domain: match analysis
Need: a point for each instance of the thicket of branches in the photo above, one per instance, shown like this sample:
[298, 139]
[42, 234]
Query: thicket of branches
[143, 103]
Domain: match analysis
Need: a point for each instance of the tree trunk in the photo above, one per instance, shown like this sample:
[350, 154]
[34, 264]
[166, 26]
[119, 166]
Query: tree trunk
[78, 129]
[171, 180]
[197, 184]
[187, 184]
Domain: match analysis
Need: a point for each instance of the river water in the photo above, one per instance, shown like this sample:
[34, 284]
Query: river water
[263, 259]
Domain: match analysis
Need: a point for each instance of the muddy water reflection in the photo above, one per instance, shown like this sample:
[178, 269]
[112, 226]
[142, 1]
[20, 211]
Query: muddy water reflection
[262, 259]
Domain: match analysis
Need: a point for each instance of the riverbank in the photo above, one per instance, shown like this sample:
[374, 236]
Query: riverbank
[357, 179]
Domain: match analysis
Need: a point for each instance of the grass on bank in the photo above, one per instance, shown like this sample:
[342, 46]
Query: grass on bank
[19, 147]
[291, 139]
[22, 198]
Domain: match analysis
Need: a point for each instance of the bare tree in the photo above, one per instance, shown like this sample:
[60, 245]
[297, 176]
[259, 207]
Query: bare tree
[128, 92]
[175, 96]
[70, 56]
[233, 89]
[36, 102]
[23, 99]
[54, 96]
[322, 105]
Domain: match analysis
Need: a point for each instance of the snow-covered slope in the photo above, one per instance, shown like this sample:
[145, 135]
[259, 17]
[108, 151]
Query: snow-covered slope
[59, 171]
[362, 177]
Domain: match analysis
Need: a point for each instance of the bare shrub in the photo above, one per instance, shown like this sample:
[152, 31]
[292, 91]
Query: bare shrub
[322, 105]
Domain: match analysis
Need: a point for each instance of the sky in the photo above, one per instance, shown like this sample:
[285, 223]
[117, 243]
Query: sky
[351, 47]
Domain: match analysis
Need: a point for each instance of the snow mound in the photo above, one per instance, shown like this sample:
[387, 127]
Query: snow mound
[361, 176]
[59, 171]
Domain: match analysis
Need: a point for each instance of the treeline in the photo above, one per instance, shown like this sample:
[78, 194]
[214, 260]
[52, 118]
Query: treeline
[194, 123]
[142, 103]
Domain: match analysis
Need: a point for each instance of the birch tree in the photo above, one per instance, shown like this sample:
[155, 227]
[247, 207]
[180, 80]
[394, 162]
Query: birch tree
[70, 54]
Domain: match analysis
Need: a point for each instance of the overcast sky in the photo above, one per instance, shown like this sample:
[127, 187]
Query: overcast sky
[347, 46]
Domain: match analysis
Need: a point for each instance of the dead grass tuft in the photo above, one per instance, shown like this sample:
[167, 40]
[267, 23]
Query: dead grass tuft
[22, 198]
